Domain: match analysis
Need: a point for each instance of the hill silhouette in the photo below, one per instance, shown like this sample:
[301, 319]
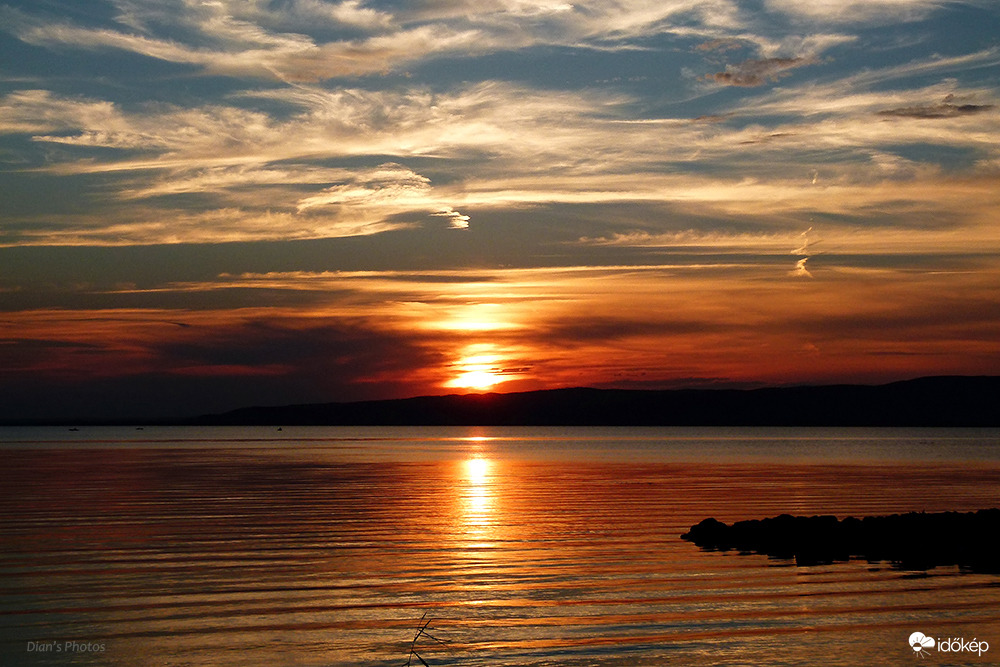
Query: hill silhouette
[931, 401]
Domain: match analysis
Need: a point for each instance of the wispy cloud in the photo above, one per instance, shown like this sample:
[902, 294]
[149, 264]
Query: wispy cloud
[945, 109]
[387, 184]
[517, 146]
[252, 39]
[220, 43]
[151, 226]
[752, 73]
[455, 219]
[36, 111]
[855, 11]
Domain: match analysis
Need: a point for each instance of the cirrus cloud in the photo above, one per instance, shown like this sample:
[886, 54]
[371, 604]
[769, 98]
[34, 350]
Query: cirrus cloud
[752, 73]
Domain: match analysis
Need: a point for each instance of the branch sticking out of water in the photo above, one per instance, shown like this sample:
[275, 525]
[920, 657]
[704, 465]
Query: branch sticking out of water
[422, 632]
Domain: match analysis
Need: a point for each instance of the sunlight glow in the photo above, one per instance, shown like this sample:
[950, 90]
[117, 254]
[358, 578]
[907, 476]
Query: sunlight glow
[478, 438]
[476, 317]
[478, 372]
[477, 470]
[474, 325]
[476, 380]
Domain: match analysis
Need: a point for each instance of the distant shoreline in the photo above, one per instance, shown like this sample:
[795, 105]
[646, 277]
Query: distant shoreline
[946, 401]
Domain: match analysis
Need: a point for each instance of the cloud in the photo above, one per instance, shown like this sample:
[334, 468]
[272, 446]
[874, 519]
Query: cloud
[387, 184]
[349, 13]
[455, 219]
[287, 42]
[800, 270]
[721, 45]
[250, 174]
[310, 40]
[782, 128]
[221, 44]
[490, 116]
[855, 11]
[299, 160]
[873, 90]
[262, 185]
[933, 65]
[944, 109]
[752, 73]
[803, 249]
[211, 132]
[697, 241]
[153, 226]
[240, 19]
[398, 333]
[374, 55]
[142, 362]
[35, 111]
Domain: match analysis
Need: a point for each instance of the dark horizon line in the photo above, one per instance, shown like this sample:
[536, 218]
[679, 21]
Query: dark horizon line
[950, 400]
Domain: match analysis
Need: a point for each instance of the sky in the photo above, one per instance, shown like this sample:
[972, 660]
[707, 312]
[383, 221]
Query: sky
[209, 204]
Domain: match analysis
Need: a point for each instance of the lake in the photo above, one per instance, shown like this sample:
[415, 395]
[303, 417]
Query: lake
[521, 546]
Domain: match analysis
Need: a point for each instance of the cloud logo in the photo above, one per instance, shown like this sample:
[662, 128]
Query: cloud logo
[920, 642]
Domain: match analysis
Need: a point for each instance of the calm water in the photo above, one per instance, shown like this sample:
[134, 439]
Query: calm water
[325, 546]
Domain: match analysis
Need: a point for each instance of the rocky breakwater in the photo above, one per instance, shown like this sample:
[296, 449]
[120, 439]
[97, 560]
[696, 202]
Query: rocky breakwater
[913, 541]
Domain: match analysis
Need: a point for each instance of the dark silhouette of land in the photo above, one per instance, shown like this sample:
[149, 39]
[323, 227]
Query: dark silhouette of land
[932, 401]
[914, 541]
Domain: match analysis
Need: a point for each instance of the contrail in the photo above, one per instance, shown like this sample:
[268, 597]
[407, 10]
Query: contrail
[800, 270]
[804, 248]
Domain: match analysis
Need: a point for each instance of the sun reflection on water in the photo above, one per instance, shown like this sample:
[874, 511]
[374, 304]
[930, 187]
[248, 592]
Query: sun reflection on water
[478, 470]
[478, 495]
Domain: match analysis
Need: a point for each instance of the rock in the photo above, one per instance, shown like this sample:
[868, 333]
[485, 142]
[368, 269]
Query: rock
[913, 541]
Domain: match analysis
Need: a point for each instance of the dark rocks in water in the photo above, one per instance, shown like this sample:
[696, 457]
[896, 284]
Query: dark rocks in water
[913, 541]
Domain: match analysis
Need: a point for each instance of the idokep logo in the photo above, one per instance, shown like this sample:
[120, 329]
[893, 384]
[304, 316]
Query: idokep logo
[922, 644]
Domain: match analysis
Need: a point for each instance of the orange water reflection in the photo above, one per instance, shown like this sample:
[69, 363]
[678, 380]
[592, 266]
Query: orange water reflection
[478, 497]
[179, 551]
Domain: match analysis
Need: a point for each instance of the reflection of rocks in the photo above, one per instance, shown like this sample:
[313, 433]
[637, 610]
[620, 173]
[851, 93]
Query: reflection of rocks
[914, 541]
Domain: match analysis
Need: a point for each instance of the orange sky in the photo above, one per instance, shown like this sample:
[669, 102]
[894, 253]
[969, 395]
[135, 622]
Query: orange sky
[384, 334]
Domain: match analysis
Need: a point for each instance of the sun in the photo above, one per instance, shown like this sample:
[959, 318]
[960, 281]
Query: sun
[481, 367]
[476, 379]
[478, 371]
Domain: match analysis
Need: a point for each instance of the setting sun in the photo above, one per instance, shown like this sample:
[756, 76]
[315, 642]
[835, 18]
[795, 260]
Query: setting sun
[476, 380]
[479, 371]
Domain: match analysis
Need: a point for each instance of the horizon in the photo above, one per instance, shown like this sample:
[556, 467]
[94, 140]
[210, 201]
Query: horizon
[208, 206]
[197, 418]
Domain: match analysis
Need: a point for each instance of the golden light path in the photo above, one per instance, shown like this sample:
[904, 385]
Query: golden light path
[478, 494]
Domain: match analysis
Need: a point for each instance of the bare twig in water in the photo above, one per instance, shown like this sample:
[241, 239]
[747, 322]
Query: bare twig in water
[421, 632]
